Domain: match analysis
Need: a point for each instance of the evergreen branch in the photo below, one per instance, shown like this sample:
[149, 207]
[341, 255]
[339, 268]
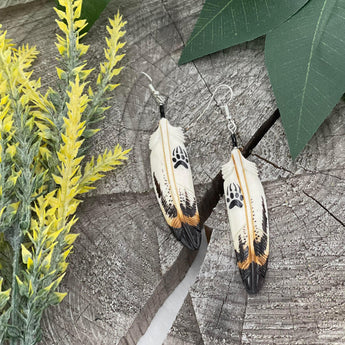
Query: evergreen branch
[108, 70]
[4, 314]
[50, 235]
[40, 169]
[40, 280]
[52, 106]
[106, 162]
[8, 174]
[68, 154]
[22, 149]
[71, 51]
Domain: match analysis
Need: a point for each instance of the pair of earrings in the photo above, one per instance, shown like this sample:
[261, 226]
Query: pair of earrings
[243, 191]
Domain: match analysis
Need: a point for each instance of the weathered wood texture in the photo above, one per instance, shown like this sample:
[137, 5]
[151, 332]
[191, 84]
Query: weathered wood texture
[8, 3]
[125, 260]
[302, 299]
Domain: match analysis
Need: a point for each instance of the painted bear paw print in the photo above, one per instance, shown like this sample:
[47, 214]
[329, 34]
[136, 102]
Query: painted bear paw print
[179, 157]
[234, 196]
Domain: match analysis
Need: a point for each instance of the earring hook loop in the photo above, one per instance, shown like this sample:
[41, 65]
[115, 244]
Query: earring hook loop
[155, 93]
[231, 124]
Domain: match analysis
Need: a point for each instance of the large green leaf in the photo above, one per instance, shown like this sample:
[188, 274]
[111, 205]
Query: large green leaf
[224, 23]
[305, 58]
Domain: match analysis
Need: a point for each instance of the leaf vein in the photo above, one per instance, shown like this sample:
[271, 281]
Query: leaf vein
[308, 70]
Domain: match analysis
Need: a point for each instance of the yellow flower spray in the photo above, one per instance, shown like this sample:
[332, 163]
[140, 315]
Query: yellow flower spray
[42, 139]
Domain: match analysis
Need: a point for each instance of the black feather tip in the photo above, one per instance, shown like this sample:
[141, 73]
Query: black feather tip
[188, 235]
[253, 277]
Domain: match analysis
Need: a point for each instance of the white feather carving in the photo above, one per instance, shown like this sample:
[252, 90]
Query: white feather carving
[173, 183]
[247, 212]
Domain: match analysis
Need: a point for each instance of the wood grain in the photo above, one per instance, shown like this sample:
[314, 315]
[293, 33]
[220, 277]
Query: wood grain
[301, 301]
[115, 273]
[126, 261]
[8, 3]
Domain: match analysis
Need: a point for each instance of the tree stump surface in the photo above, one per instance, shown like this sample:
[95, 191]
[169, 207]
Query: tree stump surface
[125, 261]
[8, 3]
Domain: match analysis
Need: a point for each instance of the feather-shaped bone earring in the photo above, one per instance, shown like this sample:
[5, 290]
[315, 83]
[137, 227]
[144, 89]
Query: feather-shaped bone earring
[247, 211]
[172, 179]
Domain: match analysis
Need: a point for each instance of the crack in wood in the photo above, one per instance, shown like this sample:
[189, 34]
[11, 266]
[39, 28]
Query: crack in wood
[304, 222]
[244, 318]
[273, 164]
[197, 322]
[223, 302]
[173, 22]
[325, 208]
[303, 219]
[313, 173]
[324, 172]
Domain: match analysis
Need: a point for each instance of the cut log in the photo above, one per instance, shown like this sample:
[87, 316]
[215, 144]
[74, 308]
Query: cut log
[117, 277]
[301, 301]
[8, 3]
[126, 261]
[187, 327]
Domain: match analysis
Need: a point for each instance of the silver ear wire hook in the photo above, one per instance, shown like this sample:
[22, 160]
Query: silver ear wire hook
[156, 95]
[231, 125]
